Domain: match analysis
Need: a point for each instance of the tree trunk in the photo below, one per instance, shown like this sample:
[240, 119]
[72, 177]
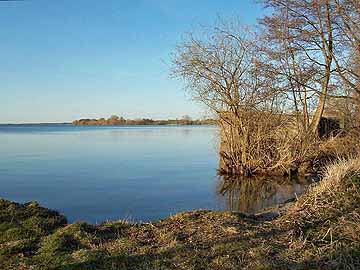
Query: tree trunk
[327, 50]
[314, 126]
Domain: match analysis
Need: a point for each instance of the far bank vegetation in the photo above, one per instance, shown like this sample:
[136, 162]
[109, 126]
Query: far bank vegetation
[115, 120]
[287, 94]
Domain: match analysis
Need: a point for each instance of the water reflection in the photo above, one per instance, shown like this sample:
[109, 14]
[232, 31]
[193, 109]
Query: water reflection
[255, 194]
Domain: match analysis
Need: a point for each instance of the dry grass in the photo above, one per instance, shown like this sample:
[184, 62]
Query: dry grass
[345, 145]
[325, 221]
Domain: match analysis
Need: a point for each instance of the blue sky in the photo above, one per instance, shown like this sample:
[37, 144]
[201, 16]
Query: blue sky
[69, 59]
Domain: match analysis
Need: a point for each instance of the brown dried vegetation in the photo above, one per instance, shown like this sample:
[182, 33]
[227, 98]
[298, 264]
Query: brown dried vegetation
[271, 88]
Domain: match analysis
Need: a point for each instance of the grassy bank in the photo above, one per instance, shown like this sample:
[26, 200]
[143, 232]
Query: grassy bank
[320, 231]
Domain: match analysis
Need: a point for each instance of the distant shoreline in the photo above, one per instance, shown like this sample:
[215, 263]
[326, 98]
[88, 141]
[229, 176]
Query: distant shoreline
[33, 124]
[120, 121]
[108, 125]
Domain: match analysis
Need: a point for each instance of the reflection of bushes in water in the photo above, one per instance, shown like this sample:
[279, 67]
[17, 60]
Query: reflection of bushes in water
[253, 194]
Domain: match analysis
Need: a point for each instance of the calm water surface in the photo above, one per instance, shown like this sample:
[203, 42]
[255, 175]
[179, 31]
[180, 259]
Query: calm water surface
[140, 173]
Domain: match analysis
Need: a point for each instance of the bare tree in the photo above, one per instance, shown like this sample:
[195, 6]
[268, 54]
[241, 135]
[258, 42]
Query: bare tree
[348, 61]
[270, 90]
[306, 35]
[222, 70]
[186, 118]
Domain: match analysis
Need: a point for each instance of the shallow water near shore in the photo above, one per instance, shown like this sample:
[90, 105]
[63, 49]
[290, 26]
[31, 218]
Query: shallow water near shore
[139, 173]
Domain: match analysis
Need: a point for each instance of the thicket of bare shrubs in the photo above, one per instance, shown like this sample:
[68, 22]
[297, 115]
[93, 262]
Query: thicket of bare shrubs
[271, 87]
[262, 143]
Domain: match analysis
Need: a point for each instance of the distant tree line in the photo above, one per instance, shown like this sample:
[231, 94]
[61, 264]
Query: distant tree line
[118, 121]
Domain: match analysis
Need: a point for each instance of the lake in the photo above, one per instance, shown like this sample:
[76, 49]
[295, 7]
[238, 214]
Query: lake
[139, 173]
